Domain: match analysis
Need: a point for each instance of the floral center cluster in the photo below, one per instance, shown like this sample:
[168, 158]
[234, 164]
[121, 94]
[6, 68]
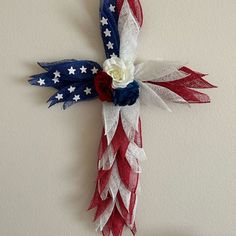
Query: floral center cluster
[116, 82]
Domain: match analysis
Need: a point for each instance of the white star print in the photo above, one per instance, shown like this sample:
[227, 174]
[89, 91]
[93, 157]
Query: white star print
[113, 55]
[112, 8]
[59, 96]
[104, 21]
[76, 98]
[55, 80]
[71, 89]
[87, 91]
[71, 71]
[110, 45]
[107, 33]
[94, 70]
[83, 69]
[57, 74]
[41, 82]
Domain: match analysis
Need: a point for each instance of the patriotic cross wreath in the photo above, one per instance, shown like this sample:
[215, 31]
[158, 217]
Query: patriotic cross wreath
[122, 85]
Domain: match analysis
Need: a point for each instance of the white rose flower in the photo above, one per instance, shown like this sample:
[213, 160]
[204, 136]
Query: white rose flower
[122, 72]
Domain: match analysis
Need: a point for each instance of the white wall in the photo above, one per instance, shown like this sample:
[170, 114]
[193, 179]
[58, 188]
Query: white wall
[48, 157]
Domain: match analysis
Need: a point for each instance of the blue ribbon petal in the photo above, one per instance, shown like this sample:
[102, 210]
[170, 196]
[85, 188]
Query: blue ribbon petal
[109, 22]
[73, 79]
[51, 65]
[74, 93]
[46, 80]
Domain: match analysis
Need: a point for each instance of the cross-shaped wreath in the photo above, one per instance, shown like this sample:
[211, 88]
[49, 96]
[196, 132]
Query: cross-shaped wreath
[122, 85]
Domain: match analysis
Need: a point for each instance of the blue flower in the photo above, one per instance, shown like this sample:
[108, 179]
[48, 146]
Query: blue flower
[126, 96]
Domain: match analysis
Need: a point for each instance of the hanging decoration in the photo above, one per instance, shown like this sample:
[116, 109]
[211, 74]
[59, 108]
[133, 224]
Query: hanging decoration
[122, 85]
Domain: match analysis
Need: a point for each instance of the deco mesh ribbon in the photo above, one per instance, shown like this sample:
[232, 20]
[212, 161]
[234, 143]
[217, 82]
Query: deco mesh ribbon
[122, 85]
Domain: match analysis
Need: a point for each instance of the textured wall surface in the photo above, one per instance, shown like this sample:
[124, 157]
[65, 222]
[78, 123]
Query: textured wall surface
[48, 157]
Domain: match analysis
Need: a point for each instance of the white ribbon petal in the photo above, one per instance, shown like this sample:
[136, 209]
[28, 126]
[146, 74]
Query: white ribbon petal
[160, 71]
[125, 195]
[111, 118]
[129, 30]
[108, 159]
[147, 95]
[135, 151]
[114, 182]
[130, 117]
[166, 94]
[134, 155]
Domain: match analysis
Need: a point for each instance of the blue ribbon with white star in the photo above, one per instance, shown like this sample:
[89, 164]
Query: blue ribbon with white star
[109, 27]
[73, 79]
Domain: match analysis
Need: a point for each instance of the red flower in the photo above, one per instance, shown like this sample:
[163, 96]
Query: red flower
[103, 86]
